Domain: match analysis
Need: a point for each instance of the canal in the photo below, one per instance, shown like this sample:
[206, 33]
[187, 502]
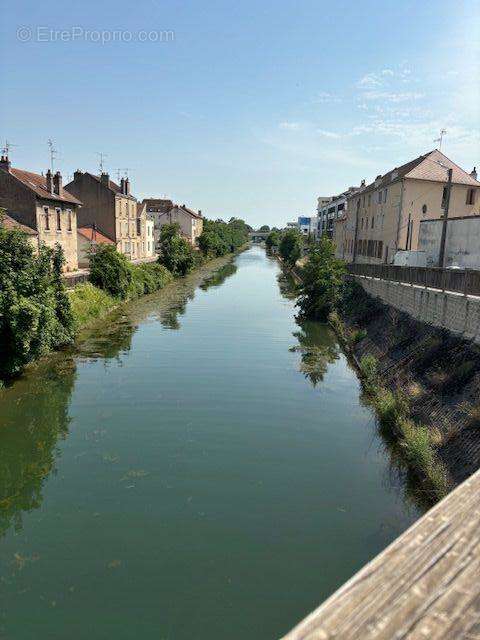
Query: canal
[201, 466]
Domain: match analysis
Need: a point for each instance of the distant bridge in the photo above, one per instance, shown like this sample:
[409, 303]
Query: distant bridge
[258, 236]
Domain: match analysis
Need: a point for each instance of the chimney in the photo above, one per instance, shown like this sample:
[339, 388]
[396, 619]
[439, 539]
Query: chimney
[122, 186]
[77, 175]
[105, 179]
[57, 183]
[474, 173]
[362, 183]
[49, 179]
[200, 212]
[5, 163]
[127, 187]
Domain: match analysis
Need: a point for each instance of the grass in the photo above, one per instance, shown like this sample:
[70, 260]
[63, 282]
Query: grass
[89, 303]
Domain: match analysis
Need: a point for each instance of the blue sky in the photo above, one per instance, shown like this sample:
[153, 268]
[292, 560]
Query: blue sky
[249, 109]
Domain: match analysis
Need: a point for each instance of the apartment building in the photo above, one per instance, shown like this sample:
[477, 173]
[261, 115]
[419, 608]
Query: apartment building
[43, 205]
[332, 209]
[384, 216]
[111, 208]
[166, 212]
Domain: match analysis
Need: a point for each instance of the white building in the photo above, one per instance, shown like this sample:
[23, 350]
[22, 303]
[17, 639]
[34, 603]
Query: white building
[308, 225]
[149, 238]
[331, 209]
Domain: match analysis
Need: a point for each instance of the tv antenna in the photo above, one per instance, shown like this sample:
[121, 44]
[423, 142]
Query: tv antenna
[440, 139]
[122, 173]
[53, 153]
[7, 147]
[101, 159]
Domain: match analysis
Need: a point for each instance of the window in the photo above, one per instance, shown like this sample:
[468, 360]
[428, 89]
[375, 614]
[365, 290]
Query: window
[59, 219]
[369, 199]
[139, 227]
[380, 249]
[366, 223]
[424, 209]
[471, 196]
[69, 220]
[385, 195]
[373, 221]
[47, 219]
[379, 197]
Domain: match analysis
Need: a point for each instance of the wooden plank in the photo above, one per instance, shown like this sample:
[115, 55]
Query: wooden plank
[426, 584]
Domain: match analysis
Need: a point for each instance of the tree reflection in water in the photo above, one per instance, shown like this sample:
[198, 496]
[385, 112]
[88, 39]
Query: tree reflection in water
[317, 348]
[34, 418]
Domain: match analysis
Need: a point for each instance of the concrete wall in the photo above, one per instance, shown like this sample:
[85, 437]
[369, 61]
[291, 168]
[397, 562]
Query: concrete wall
[454, 312]
[462, 246]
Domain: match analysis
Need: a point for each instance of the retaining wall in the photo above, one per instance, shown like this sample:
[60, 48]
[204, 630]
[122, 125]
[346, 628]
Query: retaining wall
[452, 311]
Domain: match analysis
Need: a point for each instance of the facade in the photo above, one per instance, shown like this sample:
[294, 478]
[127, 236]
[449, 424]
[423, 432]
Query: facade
[462, 243]
[331, 209]
[43, 205]
[88, 239]
[385, 216]
[111, 208]
[149, 238]
[156, 208]
[307, 225]
[189, 221]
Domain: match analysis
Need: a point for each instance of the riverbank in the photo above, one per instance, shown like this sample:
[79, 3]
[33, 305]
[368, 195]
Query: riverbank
[424, 384]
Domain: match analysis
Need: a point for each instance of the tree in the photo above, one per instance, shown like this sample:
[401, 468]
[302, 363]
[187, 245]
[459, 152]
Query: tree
[35, 315]
[273, 240]
[322, 279]
[110, 270]
[291, 246]
[219, 238]
[176, 253]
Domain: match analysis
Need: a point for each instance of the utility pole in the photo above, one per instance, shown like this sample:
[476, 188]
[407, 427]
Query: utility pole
[443, 239]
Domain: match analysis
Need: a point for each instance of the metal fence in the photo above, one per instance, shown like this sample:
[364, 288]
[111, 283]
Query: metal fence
[466, 281]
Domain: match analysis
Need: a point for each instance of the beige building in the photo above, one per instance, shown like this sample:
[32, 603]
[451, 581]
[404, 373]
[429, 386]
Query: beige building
[42, 204]
[112, 209]
[385, 215]
[146, 230]
[166, 212]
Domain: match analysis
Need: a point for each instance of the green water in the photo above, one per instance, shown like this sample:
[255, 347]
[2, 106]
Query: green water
[201, 468]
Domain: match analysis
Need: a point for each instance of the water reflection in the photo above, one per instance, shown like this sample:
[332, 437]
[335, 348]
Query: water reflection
[318, 349]
[219, 277]
[34, 417]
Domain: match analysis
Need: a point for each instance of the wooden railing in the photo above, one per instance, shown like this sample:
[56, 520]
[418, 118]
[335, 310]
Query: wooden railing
[466, 281]
[424, 585]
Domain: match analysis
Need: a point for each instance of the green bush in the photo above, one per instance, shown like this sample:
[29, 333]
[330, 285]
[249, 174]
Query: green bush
[322, 279]
[176, 253]
[89, 303]
[369, 370]
[358, 336]
[273, 240]
[391, 407]
[35, 314]
[150, 277]
[111, 271]
[291, 246]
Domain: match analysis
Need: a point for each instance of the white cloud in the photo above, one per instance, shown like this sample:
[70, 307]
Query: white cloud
[391, 96]
[290, 126]
[328, 134]
[369, 80]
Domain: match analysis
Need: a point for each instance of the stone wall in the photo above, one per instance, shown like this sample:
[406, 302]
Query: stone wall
[455, 312]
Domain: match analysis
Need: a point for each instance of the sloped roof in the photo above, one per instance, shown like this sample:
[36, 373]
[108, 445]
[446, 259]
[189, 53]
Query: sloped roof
[431, 169]
[426, 167]
[10, 223]
[113, 186]
[194, 214]
[38, 184]
[93, 235]
[163, 205]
